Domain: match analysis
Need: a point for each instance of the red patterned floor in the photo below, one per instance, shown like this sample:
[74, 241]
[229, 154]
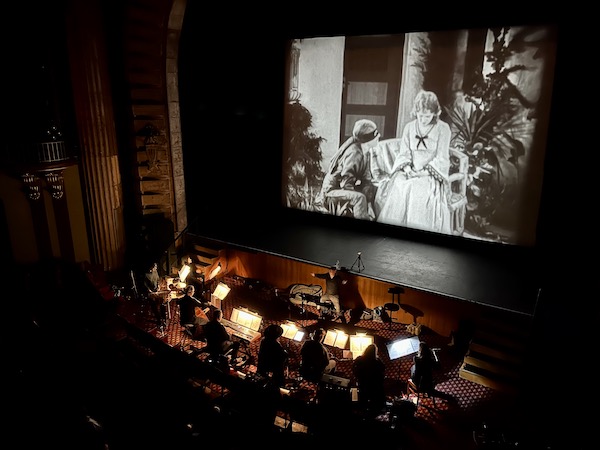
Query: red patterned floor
[462, 406]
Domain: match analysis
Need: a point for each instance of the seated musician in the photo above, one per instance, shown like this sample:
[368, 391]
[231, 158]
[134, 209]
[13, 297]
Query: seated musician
[369, 371]
[192, 311]
[218, 340]
[152, 284]
[315, 359]
[272, 357]
[421, 372]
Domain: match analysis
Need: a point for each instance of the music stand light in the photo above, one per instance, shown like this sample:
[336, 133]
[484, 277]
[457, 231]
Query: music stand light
[291, 331]
[358, 343]
[215, 271]
[219, 294]
[336, 338]
[184, 272]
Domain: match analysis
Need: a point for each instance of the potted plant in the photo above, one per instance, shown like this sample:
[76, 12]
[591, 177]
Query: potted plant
[491, 127]
[302, 169]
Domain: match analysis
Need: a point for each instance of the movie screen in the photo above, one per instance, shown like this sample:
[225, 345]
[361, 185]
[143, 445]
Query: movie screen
[439, 131]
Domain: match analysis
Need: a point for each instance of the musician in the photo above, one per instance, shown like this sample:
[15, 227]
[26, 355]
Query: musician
[272, 357]
[218, 340]
[152, 278]
[421, 372]
[315, 359]
[152, 284]
[192, 311]
[333, 283]
[369, 371]
[192, 277]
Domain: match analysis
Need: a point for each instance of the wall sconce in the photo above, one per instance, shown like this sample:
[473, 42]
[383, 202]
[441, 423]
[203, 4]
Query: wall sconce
[336, 338]
[291, 331]
[56, 184]
[358, 343]
[213, 273]
[33, 186]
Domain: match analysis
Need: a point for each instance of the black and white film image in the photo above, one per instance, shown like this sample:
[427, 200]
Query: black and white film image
[441, 131]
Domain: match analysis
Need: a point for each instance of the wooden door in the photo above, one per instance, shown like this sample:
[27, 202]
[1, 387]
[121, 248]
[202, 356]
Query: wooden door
[372, 73]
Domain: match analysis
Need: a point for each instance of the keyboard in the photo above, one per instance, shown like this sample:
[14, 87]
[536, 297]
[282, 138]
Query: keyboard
[240, 331]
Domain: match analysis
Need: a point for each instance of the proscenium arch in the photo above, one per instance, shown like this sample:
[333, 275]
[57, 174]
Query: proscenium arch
[174, 27]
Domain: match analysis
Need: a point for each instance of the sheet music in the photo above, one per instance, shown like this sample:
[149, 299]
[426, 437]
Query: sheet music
[246, 319]
[240, 331]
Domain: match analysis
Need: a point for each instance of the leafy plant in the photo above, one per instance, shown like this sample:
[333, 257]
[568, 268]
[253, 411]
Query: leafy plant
[302, 169]
[493, 131]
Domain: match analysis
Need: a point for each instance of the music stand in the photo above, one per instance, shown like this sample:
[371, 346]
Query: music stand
[358, 343]
[402, 347]
[336, 338]
[246, 318]
[291, 331]
[219, 295]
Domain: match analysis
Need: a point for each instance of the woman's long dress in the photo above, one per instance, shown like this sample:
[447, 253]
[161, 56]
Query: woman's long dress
[419, 202]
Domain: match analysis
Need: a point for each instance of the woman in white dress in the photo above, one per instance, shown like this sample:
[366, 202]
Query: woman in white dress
[416, 194]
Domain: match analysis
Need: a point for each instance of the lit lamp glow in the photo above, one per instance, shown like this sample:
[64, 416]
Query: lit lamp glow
[184, 272]
[221, 291]
[291, 331]
[336, 338]
[358, 343]
[219, 294]
[213, 273]
[246, 318]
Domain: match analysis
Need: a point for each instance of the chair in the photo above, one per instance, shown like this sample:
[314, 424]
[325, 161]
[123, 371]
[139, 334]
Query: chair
[413, 390]
[393, 306]
[457, 201]
[188, 331]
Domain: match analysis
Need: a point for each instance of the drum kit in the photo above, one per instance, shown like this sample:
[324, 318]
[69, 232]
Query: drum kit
[169, 288]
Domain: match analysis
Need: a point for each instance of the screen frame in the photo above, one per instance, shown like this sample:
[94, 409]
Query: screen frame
[523, 237]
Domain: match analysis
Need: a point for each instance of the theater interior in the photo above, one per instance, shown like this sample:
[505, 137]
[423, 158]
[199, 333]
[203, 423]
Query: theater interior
[166, 117]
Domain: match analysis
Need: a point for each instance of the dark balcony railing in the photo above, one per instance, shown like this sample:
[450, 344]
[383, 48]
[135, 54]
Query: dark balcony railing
[37, 156]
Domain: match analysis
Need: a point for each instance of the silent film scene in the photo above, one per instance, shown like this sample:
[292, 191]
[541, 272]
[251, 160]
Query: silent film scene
[441, 131]
[321, 230]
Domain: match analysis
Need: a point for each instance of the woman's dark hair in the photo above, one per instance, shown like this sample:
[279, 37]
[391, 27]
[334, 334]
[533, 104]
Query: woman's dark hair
[370, 351]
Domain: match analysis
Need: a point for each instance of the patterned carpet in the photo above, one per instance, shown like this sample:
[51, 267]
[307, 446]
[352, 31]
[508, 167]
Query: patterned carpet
[461, 407]
[92, 370]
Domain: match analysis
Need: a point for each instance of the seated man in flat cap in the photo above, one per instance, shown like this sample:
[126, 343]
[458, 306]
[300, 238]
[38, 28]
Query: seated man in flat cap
[348, 179]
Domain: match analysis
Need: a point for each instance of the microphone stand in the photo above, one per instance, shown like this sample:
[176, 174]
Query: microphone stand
[359, 264]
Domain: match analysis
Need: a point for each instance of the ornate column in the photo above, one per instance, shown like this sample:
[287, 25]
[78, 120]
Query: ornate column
[96, 126]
